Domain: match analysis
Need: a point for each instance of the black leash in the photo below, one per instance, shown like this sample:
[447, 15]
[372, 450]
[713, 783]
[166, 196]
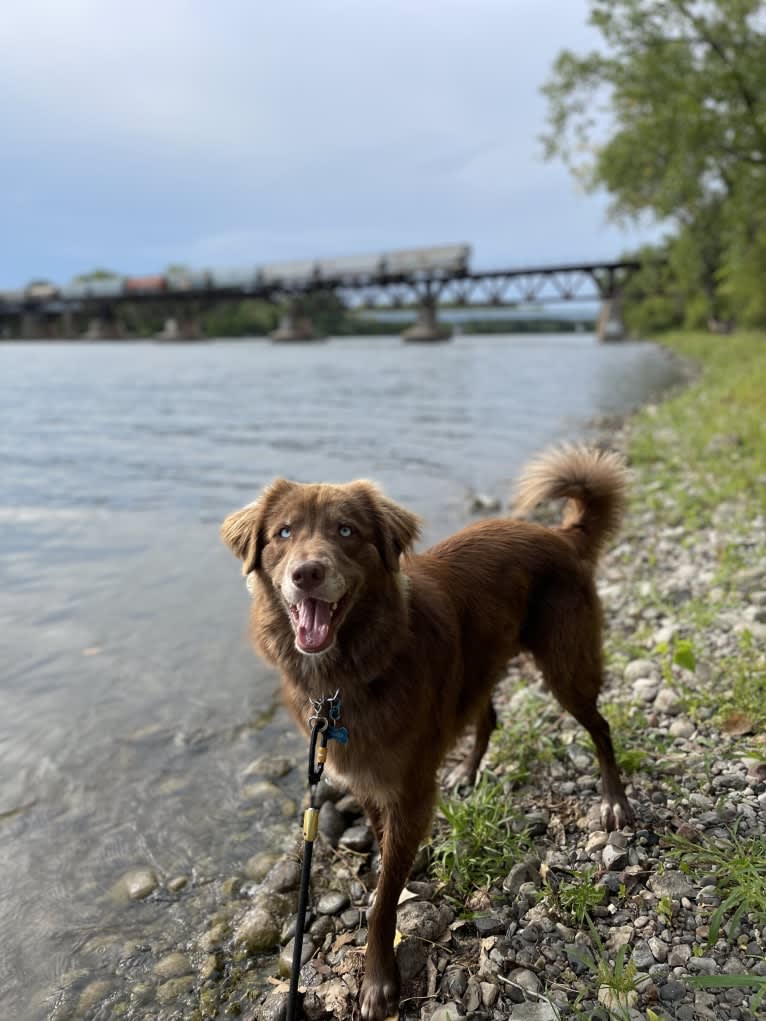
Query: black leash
[323, 729]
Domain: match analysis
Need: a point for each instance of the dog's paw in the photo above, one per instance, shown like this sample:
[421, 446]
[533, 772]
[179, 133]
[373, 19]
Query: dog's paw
[616, 814]
[461, 777]
[379, 999]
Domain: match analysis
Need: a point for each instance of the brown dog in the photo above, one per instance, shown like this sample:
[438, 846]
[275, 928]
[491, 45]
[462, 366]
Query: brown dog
[416, 642]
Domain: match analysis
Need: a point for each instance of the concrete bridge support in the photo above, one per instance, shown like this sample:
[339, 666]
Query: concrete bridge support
[66, 325]
[611, 325]
[427, 328]
[295, 324]
[103, 329]
[32, 326]
[177, 328]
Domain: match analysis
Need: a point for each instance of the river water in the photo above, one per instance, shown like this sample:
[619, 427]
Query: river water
[130, 703]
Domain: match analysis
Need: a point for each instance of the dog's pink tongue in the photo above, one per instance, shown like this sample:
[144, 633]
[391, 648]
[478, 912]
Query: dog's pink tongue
[313, 623]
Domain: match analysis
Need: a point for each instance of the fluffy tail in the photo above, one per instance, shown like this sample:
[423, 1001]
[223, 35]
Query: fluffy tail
[593, 483]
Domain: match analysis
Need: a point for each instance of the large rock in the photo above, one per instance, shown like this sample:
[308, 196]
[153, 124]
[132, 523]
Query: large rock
[260, 928]
[172, 966]
[671, 884]
[421, 918]
[136, 884]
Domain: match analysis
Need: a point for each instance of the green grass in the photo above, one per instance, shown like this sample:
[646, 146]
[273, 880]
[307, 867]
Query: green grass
[706, 445]
[576, 897]
[739, 867]
[479, 845]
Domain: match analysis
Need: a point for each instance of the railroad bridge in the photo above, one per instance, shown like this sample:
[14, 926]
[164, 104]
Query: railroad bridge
[423, 278]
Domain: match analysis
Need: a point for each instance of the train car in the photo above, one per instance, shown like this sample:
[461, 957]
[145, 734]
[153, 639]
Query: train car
[241, 278]
[187, 280]
[153, 284]
[288, 274]
[41, 292]
[350, 267]
[104, 287]
[445, 259]
[11, 300]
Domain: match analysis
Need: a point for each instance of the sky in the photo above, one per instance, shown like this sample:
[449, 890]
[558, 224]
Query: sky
[238, 132]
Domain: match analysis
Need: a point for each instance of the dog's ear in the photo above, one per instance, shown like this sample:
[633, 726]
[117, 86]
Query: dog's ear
[395, 528]
[244, 530]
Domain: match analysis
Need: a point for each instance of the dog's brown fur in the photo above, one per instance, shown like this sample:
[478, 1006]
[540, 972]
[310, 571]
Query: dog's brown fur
[419, 640]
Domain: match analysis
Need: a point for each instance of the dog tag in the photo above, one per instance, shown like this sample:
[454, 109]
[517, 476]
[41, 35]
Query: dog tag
[339, 734]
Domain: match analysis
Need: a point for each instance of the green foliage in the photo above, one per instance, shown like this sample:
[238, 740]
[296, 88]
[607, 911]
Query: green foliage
[683, 83]
[96, 274]
[683, 655]
[251, 318]
[575, 898]
[739, 866]
[618, 976]
[757, 982]
[480, 845]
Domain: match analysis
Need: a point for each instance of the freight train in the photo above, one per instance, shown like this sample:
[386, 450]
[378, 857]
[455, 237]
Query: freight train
[436, 262]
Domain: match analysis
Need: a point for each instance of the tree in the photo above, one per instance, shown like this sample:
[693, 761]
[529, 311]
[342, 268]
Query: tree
[670, 118]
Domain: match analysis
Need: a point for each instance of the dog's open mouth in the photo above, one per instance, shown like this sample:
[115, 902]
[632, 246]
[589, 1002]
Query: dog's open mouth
[315, 622]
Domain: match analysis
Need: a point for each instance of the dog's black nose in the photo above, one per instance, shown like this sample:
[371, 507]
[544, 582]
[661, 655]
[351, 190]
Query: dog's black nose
[308, 575]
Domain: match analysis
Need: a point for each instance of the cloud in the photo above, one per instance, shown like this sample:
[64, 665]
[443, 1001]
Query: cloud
[191, 131]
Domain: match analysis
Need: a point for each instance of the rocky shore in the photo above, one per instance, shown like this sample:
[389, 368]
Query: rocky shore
[521, 907]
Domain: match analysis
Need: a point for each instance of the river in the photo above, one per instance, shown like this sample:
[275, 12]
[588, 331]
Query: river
[130, 703]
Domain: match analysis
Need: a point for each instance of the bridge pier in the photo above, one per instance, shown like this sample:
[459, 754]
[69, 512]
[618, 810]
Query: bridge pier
[180, 329]
[427, 327]
[66, 325]
[611, 325]
[295, 324]
[100, 328]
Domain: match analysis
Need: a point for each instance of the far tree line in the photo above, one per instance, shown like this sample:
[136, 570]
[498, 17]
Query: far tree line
[669, 116]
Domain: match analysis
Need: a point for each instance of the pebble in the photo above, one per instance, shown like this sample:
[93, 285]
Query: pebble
[332, 823]
[671, 884]
[285, 962]
[356, 838]
[667, 701]
[645, 689]
[284, 876]
[525, 978]
[136, 884]
[172, 966]
[672, 991]
[259, 930]
[487, 925]
[523, 872]
[270, 767]
[659, 949]
[702, 966]
[175, 988]
[93, 994]
[332, 903]
[614, 858]
[639, 669]
[682, 727]
[258, 867]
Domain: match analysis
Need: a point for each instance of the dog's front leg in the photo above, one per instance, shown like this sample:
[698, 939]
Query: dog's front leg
[404, 824]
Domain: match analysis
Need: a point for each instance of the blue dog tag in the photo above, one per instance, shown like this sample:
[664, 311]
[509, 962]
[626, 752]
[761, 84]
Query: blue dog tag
[339, 734]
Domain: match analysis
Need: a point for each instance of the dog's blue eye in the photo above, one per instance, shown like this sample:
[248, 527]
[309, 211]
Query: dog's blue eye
[284, 532]
[345, 531]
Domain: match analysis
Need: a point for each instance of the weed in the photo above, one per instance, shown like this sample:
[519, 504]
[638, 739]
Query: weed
[576, 898]
[480, 845]
[618, 976]
[739, 866]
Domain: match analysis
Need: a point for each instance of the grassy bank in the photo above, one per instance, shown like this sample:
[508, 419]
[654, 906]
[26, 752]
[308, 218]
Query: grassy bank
[684, 592]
